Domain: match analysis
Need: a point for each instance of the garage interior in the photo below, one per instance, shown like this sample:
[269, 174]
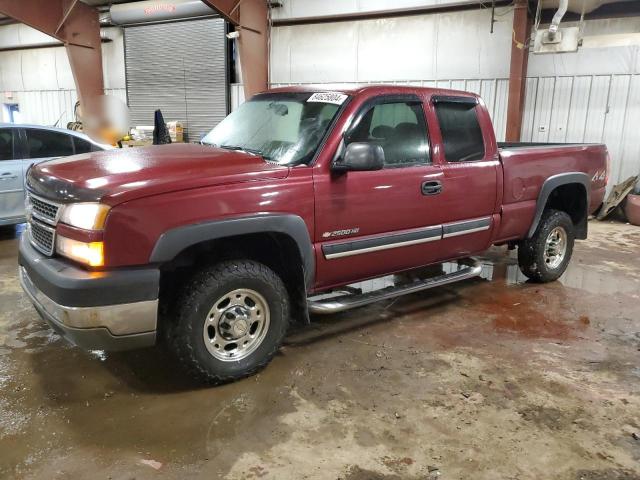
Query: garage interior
[493, 377]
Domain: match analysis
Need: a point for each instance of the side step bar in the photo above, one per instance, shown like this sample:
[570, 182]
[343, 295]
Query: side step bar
[347, 302]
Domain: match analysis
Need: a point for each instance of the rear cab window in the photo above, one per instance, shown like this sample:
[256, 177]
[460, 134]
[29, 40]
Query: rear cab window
[461, 133]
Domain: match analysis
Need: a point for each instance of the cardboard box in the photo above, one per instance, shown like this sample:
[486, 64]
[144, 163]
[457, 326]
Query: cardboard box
[144, 132]
[176, 132]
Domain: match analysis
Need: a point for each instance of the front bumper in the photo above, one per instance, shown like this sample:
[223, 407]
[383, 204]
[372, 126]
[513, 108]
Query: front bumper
[111, 310]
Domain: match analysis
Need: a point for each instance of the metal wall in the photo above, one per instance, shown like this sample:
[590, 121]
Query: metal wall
[44, 69]
[40, 81]
[443, 46]
[588, 109]
[291, 9]
[179, 68]
[589, 96]
[46, 107]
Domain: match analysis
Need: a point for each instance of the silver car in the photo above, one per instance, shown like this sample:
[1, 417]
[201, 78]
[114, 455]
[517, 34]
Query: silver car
[23, 145]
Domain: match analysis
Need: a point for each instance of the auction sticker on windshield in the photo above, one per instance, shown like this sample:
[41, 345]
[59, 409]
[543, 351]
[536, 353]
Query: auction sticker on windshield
[328, 97]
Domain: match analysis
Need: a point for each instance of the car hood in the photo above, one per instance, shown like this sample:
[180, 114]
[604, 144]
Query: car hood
[120, 175]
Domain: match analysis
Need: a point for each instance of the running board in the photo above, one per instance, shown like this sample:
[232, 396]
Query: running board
[347, 302]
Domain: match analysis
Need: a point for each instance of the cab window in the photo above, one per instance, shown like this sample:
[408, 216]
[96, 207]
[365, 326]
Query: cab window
[399, 128]
[461, 133]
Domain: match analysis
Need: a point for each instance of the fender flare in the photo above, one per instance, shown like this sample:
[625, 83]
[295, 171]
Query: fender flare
[174, 241]
[549, 185]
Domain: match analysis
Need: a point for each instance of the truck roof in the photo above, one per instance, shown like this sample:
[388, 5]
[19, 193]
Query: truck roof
[378, 89]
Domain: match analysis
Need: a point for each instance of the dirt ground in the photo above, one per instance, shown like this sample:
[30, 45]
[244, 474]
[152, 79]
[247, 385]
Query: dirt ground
[493, 378]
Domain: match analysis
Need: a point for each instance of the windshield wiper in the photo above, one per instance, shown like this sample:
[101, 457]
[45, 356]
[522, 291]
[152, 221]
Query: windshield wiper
[244, 149]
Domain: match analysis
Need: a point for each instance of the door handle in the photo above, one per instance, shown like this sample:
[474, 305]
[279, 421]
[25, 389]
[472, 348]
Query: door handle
[7, 176]
[431, 187]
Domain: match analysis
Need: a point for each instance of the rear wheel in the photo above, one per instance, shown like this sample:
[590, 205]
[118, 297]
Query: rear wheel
[231, 319]
[545, 256]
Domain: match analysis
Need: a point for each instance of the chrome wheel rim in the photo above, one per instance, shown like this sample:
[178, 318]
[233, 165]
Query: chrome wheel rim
[555, 247]
[236, 325]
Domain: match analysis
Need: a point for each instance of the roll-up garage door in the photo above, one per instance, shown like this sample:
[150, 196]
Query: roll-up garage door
[180, 68]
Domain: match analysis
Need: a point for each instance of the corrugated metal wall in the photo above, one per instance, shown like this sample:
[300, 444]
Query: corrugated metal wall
[45, 107]
[588, 109]
[179, 68]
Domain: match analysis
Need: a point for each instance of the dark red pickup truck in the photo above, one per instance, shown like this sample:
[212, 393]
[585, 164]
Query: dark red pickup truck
[217, 247]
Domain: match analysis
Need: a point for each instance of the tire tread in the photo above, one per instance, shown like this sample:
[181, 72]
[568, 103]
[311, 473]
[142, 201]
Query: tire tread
[530, 250]
[179, 337]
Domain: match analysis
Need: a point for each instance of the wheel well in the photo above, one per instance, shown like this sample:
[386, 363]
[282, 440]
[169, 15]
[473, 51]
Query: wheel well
[572, 199]
[277, 251]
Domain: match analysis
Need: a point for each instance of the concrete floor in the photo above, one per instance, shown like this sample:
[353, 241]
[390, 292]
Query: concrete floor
[493, 378]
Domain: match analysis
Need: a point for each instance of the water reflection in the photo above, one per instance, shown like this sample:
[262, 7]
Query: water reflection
[503, 268]
[578, 275]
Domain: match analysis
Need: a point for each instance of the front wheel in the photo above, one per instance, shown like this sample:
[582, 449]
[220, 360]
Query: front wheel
[231, 319]
[544, 257]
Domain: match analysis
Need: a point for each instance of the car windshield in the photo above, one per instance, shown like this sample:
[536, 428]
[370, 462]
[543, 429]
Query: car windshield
[285, 128]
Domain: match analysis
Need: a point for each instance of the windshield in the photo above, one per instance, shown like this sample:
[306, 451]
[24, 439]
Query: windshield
[282, 127]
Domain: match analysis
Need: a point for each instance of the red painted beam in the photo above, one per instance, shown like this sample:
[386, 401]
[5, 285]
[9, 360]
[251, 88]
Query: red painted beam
[76, 25]
[518, 70]
[251, 19]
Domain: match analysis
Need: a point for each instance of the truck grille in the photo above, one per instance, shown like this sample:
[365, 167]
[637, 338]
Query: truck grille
[43, 217]
[42, 236]
[43, 209]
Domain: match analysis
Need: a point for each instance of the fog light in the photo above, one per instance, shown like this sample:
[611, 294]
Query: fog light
[91, 253]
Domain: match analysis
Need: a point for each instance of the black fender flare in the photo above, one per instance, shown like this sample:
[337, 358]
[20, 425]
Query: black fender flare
[174, 241]
[549, 185]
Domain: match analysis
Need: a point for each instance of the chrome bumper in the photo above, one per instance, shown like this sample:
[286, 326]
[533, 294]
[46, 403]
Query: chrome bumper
[108, 327]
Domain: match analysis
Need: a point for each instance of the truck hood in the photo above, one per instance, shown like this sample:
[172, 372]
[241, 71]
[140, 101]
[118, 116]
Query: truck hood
[120, 175]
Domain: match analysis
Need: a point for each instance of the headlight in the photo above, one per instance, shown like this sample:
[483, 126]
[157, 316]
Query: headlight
[90, 216]
[91, 253]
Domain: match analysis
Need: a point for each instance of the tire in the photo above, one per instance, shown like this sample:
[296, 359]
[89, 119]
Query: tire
[242, 292]
[536, 262]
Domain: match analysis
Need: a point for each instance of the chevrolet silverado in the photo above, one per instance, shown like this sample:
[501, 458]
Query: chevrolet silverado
[214, 249]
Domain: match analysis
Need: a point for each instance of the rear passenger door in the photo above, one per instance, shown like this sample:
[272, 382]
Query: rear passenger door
[11, 179]
[470, 164]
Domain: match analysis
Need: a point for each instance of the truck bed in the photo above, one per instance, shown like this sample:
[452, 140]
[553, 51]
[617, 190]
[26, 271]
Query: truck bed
[526, 166]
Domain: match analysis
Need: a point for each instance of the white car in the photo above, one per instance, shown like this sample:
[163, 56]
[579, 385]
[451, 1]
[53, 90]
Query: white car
[23, 145]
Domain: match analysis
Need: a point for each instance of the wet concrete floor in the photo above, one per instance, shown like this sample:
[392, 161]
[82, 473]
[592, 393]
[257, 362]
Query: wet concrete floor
[493, 378]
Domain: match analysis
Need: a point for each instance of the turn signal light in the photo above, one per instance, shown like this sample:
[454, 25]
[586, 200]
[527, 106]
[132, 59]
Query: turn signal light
[91, 253]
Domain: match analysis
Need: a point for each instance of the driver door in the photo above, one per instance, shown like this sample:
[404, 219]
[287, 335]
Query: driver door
[370, 223]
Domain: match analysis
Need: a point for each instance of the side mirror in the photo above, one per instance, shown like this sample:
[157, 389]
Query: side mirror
[360, 156]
